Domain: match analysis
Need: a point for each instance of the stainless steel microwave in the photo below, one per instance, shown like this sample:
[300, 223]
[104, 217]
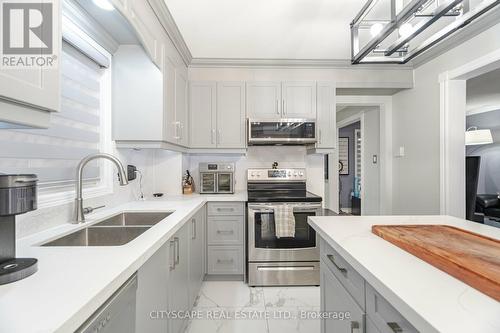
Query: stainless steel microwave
[216, 178]
[281, 131]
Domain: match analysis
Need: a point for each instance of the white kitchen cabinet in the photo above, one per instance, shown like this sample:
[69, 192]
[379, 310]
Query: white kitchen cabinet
[27, 96]
[231, 115]
[178, 288]
[181, 109]
[203, 114]
[299, 100]
[264, 100]
[217, 114]
[335, 299]
[326, 116]
[196, 254]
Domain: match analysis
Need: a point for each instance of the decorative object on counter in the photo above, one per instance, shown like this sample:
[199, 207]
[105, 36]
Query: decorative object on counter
[472, 258]
[187, 183]
[18, 195]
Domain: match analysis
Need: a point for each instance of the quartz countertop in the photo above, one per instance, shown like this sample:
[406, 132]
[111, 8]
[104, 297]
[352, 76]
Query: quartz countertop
[72, 282]
[430, 299]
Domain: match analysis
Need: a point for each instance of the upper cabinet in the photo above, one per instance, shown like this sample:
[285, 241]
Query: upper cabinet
[326, 116]
[28, 95]
[217, 114]
[181, 107]
[275, 100]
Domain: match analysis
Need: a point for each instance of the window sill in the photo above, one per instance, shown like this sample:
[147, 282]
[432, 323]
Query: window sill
[61, 198]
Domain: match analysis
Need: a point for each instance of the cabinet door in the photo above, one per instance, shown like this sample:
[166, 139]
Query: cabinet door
[326, 118]
[202, 114]
[170, 127]
[299, 100]
[335, 299]
[231, 115]
[181, 114]
[152, 291]
[196, 254]
[264, 100]
[36, 87]
[178, 296]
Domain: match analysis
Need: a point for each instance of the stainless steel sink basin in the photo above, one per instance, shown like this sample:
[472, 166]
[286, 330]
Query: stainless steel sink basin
[134, 219]
[99, 236]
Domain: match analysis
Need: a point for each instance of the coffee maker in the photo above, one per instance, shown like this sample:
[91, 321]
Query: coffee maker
[18, 195]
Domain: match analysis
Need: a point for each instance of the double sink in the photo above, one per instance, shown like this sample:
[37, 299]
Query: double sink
[113, 231]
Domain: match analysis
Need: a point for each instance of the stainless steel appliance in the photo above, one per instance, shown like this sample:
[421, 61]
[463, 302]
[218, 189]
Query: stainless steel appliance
[285, 260]
[117, 314]
[282, 131]
[17, 196]
[216, 178]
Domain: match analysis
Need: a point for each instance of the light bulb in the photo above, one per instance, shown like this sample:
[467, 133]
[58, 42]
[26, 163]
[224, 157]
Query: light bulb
[104, 4]
[405, 30]
[376, 28]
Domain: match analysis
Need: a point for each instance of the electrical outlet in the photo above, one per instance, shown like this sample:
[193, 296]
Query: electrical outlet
[131, 172]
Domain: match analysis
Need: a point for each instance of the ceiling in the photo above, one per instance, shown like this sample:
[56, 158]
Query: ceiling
[266, 29]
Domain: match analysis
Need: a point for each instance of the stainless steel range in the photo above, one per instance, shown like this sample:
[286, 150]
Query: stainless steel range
[273, 260]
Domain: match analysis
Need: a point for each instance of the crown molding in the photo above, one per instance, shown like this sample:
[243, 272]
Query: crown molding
[289, 63]
[167, 21]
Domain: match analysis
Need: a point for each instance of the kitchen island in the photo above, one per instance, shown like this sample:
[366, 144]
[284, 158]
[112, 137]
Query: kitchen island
[386, 289]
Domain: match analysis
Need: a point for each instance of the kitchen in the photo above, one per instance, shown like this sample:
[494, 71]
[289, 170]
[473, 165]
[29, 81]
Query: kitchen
[224, 216]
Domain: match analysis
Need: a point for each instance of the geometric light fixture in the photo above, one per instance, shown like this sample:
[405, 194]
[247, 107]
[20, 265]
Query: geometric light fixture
[396, 31]
[474, 136]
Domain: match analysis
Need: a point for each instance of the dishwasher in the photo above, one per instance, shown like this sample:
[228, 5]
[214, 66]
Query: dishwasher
[117, 314]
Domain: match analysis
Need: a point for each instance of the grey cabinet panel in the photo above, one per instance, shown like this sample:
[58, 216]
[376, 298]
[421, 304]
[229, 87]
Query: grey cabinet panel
[225, 260]
[196, 254]
[299, 100]
[264, 100]
[226, 208]
[336, 300]
[225, 230]
[152, 291]
[326, 116]
[370, 326]
[350, 279]
[231, 115]
[202, 111]
[178, 295]
[385, 317]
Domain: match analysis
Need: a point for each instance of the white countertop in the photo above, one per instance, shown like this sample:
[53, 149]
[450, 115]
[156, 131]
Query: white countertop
[72, 282]
[427, 297]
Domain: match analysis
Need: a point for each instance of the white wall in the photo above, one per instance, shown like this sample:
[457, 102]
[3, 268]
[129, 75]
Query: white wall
[263, 157]
[371, 171]
[416, 126]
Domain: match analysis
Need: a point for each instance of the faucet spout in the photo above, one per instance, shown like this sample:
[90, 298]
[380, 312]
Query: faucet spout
[122, 175]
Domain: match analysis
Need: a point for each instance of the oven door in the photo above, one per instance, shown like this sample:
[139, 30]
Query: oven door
[283, 131]
[263, 245]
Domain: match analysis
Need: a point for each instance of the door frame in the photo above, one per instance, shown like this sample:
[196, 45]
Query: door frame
[384, 103]
[452, 131]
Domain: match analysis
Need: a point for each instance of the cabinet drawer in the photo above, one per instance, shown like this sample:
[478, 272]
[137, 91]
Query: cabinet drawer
[225, 230]
[384, 316]
[225, 260]
[226, 208]
[350, 279]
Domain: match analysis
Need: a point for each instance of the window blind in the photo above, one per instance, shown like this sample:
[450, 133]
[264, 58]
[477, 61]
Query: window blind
[74, 132]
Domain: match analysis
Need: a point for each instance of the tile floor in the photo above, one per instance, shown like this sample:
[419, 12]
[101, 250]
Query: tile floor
[233, 307]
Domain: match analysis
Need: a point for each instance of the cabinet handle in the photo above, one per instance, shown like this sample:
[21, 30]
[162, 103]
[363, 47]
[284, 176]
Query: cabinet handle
[320, 136]
[395, 327]
[341, 269]
[176, 240]
[226, 232]
[355, 327]
[227, 261]
[218, 136]
[176, 130]
[277, 109]
[193, 221]
[283, 107]
[213, 135]
[172, 256]
[225, 209]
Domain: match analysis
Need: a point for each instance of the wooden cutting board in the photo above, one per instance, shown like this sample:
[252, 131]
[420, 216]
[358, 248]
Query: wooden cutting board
[472, 258]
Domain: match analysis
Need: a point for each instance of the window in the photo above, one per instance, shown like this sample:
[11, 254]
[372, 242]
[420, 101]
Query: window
[79, 129]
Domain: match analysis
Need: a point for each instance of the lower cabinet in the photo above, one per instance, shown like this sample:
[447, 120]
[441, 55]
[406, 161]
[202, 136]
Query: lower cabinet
[344, 314]
[170, 280]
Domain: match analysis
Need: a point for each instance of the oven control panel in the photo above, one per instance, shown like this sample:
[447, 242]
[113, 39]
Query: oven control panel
[276, 174]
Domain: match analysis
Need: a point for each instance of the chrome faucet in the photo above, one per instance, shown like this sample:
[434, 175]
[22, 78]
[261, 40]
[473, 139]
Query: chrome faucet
[122, 175]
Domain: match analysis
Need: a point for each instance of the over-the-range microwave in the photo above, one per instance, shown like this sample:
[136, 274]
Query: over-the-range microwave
[281, 131]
